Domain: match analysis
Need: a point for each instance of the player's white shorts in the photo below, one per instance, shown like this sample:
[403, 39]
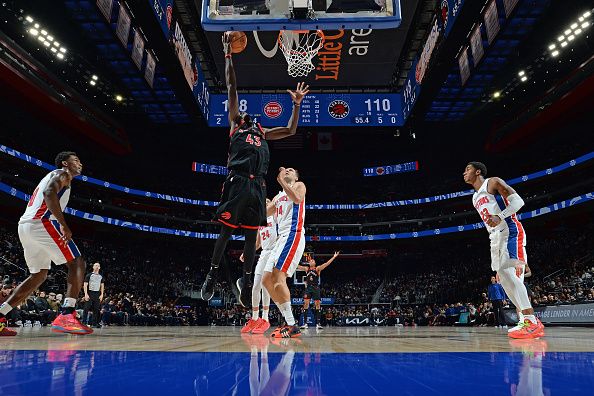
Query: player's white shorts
[42, 245]
[287, 253]
[508, 244]
[264, 257]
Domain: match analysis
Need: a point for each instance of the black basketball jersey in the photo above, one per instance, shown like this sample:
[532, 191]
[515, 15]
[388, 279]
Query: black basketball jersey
[312, 278]
[248, 150]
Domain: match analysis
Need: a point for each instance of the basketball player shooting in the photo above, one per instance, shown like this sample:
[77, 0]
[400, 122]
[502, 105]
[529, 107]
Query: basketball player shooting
[497, 204]
[46, 237]
[244, 191]
[312, 287]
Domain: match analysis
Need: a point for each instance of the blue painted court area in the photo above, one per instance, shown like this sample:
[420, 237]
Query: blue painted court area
[296, 373]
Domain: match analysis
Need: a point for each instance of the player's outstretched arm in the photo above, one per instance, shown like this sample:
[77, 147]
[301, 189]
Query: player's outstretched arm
[302, 268]
[327, 263]
[291, 128]
[234, 117]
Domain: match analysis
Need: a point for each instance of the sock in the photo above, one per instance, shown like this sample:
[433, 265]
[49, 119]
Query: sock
[317, 317]
[255, 314]
[521, 317]
[265, 314]
[531, 318]
[68, 306]
[256, 290]
[5, 309]
[287, 313]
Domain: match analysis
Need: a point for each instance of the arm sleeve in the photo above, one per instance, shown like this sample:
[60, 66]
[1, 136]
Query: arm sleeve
[515, 202]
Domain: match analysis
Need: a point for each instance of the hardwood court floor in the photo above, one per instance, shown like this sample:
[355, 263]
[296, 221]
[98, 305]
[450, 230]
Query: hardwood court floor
[201, 361]
[332, 339]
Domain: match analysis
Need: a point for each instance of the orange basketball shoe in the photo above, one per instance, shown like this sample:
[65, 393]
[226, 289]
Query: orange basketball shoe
[286, 332]
[261, 326]
[4, 330]
[529, 330]
[70, 324]
[249, 326]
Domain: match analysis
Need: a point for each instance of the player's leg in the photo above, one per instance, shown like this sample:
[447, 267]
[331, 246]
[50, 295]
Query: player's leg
[249, 253]
[317, 304]
[207, 290]
[260, 292]
[19, 295]
[67, 321]
[304, 310]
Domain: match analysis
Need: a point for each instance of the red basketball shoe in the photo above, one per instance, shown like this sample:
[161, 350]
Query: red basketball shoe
[249, 326]
[261, 326]
[4, 330]
[70, 324]
[529, 330]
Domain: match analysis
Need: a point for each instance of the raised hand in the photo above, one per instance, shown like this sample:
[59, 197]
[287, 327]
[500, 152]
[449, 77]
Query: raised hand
[298, 94]
[226, 43]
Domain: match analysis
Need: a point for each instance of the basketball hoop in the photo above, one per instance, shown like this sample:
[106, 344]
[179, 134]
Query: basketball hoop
[299, 48]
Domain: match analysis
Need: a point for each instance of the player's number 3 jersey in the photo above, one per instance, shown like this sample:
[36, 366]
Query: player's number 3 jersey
[37, 209]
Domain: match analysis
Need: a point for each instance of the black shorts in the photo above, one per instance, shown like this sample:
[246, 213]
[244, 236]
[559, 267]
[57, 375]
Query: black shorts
[312, 293]
[243, 202]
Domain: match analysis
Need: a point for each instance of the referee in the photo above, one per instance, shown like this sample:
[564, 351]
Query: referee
[93, 287]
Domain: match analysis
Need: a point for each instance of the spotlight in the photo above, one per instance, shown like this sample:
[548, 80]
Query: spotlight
[496, 94]
[560, 38]
[41, 38]
[585, 25]
[29, 19]
[555, 53]
[63, 50]
[33, 32]
[552, 47]
[53, 50]
[587, 14]
[521, 73]
[524, 78]
[43, 32]
[92, 82]
[577, 31]
[574, 25]
[36, 26]
[56, 44]
[60, 56]
[567, 32]
[94, 77]
[50, 38]
[564, 44]
[119, 98]
[46, 43]
[570, 38]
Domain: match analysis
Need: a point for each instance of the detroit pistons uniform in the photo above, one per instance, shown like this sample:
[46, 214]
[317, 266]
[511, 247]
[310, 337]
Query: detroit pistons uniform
[243, 201]
[290, 245]
[508, 239]
[268, 237]
[40, 234]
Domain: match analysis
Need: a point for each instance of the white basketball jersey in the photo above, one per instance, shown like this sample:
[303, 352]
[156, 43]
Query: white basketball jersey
[268, 234]
[37, 209]
[488, 204]
[289, 216]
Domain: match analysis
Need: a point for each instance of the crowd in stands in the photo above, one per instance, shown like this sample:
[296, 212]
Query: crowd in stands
[146, 284]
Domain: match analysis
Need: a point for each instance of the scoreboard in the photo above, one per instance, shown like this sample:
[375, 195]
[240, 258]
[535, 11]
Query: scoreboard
[320, 109]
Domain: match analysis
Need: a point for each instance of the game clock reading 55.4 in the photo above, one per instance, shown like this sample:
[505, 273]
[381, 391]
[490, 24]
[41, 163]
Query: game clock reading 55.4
[323, 109]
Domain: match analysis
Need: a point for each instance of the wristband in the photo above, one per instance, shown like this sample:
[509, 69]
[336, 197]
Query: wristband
[296, 104]
[228, 56]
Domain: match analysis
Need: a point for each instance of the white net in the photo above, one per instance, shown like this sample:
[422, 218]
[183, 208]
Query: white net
[299, 48]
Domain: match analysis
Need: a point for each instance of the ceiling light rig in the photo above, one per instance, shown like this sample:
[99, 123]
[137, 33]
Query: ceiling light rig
[575, 29]
[46, 38]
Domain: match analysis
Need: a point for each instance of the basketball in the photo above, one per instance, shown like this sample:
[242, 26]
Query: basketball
[238, 41]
